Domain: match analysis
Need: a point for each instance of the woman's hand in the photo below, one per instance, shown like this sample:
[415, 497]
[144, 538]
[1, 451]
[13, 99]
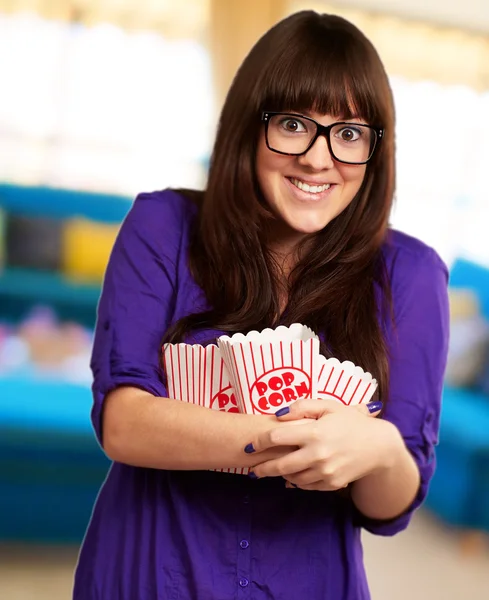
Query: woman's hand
[339, 444]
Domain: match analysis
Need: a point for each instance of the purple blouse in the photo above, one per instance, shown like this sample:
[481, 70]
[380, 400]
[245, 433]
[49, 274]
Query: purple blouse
[198, 535]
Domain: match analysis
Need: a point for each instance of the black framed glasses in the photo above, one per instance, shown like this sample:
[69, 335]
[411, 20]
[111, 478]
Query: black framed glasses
[293, 134]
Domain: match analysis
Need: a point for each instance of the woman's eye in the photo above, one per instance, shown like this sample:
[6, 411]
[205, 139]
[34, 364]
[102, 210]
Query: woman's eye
[349, 134]
[293, 125]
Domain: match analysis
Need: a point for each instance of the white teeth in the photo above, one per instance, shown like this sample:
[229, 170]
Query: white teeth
[312, 189]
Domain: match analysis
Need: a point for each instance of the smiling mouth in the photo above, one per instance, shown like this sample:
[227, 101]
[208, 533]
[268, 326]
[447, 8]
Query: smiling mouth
[306, 187]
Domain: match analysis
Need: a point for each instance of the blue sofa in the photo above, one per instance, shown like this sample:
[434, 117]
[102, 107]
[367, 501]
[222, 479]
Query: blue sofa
[51, 466]
[459, 492]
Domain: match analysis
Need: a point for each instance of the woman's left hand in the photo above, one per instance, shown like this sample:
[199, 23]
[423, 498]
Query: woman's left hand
[342, 445]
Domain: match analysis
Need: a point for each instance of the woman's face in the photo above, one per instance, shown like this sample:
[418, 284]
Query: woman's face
[299, 212]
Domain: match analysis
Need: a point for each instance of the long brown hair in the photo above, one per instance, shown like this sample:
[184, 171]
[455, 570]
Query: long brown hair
[339, 286]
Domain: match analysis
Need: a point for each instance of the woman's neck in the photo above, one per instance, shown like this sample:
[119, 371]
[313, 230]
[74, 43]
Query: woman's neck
[286, 247]
[284, 244]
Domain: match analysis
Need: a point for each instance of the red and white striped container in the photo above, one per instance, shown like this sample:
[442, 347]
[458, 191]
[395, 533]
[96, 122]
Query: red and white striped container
[198, 375]
[272, 368]
[344, 382]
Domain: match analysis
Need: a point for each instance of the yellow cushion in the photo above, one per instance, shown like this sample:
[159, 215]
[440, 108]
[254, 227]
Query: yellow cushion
[86, 249]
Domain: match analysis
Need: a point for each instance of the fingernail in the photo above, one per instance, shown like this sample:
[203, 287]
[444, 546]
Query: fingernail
[375, 406]
[282, 411]
[252, 475]
[249, 449]
[293, 485]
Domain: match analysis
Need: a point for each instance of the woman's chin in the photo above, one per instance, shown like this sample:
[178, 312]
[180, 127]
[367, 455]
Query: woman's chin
[293, 231]
[307, 222]
[306, 228]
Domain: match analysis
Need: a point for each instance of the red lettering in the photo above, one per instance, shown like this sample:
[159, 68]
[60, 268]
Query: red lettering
[275, 383]
[222, 400]
[234, 409]
[261, 387]
[288, 378]
[233, 400]
[289, 395]
[302, 389]
[276, 399]
[263, 404]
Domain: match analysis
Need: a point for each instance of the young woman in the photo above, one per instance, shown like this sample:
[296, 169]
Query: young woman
[293, 227]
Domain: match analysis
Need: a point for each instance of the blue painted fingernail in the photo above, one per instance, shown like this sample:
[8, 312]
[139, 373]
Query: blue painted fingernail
[375, 406]
[252, 475]
[282, 411]
[294, 484]
[249, 449]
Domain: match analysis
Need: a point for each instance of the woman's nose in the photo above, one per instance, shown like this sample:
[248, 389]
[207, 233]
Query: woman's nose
[318, 157]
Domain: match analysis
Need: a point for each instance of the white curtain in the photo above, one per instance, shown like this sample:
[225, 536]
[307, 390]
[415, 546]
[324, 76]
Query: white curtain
[442, 158]
[102, 109]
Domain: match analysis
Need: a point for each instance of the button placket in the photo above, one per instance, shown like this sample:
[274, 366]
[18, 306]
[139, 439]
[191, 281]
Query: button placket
[244, 542]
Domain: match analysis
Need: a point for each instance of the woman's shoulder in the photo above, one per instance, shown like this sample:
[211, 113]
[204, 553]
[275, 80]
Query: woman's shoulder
[168, 204]
[406, 255]
[418, 280]
[162, 219]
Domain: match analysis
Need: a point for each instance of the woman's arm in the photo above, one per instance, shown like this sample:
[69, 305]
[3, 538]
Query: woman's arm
[340, 445]
[147, 431]
[419, 347]
[389, 490]
[147, 278]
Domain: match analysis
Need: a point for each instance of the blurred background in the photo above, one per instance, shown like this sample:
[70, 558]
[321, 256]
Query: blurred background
[102, 99]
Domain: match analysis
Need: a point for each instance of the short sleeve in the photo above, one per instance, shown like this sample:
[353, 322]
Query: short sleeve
[138, 298]
[418, 353]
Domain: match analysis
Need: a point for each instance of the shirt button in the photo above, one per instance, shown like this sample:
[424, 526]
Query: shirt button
[244, 544]
[243, 582]
[246, 500]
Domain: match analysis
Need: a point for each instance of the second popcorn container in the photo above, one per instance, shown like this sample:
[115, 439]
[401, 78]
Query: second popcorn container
[344, 382]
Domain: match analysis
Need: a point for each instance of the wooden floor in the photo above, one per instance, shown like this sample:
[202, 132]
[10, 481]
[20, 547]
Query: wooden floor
[426, 562]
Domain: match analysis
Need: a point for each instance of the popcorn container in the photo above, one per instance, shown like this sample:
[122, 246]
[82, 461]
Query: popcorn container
[272, 368]
[198, 375]
[344, 382]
